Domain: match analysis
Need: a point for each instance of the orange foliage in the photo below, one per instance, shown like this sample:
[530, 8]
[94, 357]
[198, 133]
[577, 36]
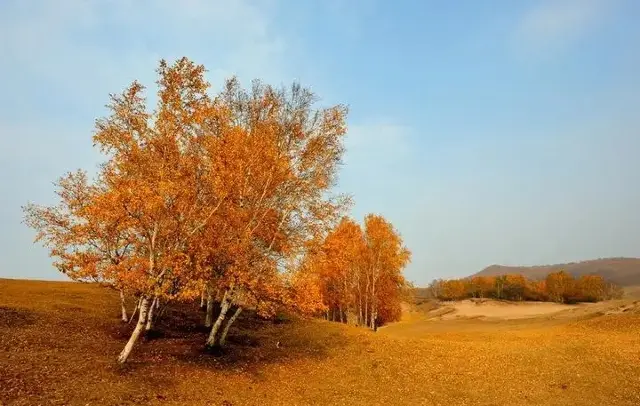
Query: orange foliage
[558, 286]
[453, 290]
[360, 272]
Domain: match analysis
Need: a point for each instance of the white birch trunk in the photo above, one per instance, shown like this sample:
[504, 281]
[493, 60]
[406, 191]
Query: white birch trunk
[211, 340]
[123, 307]
[374, 316]
[152, 310]
[366, 303]
[359, 305]
[365, 321]
[223, 336]
[374, 303]
[135, 310]
[142, 319]
[374, 307]
[208, 321]
[374, 312]
[203, 299]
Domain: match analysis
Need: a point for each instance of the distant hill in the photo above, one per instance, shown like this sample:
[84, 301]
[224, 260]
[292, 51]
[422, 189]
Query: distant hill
[621, 271]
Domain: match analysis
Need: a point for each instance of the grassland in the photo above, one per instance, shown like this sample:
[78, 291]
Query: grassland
[58, 343]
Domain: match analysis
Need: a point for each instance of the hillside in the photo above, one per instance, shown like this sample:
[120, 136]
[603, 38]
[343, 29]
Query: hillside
[621, 271]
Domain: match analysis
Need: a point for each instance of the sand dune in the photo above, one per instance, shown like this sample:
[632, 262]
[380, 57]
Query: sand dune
[492, 309]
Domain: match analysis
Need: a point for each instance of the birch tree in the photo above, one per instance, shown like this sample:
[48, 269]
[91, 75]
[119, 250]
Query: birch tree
[285, 159]
[159, 183]
[360, 272]
[208, 193]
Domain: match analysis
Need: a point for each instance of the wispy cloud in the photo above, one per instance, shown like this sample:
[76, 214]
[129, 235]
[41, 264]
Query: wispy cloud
[555, 24]
[100, 46]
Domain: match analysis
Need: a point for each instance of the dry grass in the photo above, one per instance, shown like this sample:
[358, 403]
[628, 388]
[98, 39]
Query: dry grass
[56, 347]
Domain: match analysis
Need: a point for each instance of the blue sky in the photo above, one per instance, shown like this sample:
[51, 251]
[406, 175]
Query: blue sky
[487, 131]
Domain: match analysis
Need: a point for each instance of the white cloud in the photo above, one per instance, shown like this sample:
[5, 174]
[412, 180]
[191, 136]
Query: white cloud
[554, 24]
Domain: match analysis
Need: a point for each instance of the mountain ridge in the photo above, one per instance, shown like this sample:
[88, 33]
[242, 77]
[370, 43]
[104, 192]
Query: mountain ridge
[623, 271]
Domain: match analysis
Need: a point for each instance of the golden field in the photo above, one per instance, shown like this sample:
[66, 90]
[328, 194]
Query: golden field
[59, 341]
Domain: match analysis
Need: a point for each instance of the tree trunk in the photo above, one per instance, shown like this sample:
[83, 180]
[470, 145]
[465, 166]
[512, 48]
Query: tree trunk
[123, 307]
[233, 318]
[374, 320]
[374, 303]
[160, 308]
[366, 301]
[203, 299]
[142, 319]
[224, 307]
[136, 309]
[366, 310]
[208, 321]
[152, 310]
[374, 309]
[360, 309]
[343, 312]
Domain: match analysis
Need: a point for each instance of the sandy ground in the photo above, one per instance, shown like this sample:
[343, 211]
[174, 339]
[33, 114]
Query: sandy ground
[500, 310]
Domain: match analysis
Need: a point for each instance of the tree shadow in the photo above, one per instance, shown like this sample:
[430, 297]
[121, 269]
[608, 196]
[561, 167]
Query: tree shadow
[13, 317]
[253, 342]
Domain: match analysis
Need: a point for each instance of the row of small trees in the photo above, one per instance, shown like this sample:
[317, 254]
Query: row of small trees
[220, 197]
[559, 287]
[360, 272]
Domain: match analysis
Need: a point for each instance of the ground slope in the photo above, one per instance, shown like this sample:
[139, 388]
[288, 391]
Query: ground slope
[58, 342]
[621, 271]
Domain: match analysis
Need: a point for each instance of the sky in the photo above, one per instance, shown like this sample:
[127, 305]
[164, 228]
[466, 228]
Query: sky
[488, 132]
